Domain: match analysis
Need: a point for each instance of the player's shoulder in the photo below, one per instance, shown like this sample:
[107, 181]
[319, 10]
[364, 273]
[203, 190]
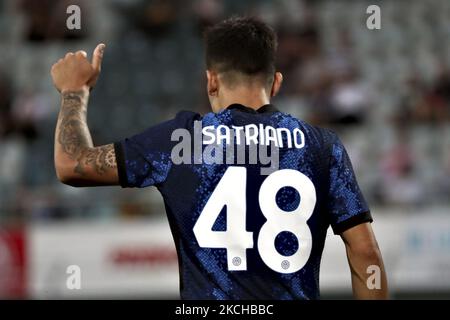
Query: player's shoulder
[324, 136]
[181, 120]
[186, 117]
[329, 136]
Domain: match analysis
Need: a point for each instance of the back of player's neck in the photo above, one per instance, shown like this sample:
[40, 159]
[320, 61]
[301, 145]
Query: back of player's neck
[249, 100]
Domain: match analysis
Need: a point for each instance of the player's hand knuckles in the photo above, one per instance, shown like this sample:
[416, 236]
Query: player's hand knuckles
[55, 67]
[56, 63]
[81, 54]
[79, 57]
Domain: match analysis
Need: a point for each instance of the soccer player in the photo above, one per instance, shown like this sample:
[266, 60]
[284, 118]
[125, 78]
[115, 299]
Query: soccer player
[240, 232]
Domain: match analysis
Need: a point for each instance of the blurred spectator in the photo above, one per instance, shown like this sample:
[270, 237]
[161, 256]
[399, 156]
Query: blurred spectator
[438, 97]
[330, 81]
[46, 20]
[156, 18]
[300, 59]
[29, 109]
[12, 165]
[399, 184]
[6, 97]
[443, 179]
[350, 96]
[350, 100]
[207, 12]
[412, 99]
[424, 103]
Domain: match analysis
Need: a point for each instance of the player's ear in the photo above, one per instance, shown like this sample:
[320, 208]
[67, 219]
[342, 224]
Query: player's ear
[213, 83]
[277, 81]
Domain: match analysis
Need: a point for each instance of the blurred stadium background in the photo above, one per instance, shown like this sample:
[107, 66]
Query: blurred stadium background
[386, 92]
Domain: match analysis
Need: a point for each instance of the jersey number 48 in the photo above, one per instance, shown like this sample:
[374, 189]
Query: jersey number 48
[231, 191]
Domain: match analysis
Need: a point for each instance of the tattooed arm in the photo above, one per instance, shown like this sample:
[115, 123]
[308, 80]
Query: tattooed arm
[77, 161]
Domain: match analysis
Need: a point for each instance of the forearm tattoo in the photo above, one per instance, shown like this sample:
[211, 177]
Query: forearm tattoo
[75, 139]
[101, 158]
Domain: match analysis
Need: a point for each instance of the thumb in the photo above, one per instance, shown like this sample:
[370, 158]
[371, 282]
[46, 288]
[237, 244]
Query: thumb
[97, 57]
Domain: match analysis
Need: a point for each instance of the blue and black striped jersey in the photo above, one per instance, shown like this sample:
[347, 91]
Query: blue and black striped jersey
[249, 196]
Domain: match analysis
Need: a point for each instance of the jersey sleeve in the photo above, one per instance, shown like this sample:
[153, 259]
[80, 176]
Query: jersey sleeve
[347, 206]
[145, 159]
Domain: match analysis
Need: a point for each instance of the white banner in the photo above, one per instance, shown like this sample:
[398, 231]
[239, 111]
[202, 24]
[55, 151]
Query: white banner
[120, 259]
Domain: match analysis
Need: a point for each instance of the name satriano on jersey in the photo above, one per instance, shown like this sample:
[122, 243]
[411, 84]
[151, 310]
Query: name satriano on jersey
[222, 144]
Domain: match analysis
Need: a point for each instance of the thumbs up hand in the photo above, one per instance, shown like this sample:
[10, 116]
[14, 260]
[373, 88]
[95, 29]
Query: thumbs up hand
[97, 58]
[74, 72]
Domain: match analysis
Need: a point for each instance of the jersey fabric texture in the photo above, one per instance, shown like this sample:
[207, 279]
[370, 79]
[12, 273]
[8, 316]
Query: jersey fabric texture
[145, 160]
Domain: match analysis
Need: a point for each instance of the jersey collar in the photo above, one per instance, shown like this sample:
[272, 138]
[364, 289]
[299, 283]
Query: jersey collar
[267, 108]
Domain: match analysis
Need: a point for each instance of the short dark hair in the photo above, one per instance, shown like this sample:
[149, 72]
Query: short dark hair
[242, 44]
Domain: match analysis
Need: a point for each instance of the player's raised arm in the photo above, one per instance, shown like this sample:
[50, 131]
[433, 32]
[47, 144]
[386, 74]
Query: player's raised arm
[363, 256]
[77, 161]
